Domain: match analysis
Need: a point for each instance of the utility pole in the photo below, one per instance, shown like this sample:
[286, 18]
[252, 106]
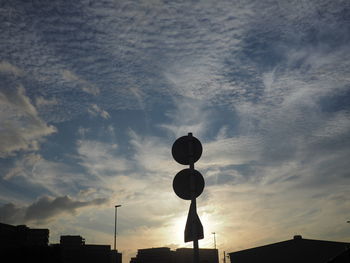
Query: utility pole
[115, 226]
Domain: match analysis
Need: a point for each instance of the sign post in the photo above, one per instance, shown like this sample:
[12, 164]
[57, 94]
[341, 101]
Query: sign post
[193, 200]
[188, 184]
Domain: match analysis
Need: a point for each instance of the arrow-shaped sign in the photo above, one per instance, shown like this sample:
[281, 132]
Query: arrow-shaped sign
[193, 226]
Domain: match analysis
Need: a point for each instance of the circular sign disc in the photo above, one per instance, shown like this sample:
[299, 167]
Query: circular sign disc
[181, 149]
[182, 183]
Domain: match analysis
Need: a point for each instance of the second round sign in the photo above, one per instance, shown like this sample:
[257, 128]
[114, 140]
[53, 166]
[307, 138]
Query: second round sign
[182, 184]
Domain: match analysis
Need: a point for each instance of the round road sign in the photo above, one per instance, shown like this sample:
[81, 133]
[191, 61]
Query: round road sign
[182, 183]
[182, 147]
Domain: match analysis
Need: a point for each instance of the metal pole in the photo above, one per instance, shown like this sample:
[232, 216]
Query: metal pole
[193, 201]
[214, 239]
[115, 227]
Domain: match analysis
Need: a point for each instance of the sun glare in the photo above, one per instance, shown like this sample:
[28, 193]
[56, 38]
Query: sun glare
[177, 229]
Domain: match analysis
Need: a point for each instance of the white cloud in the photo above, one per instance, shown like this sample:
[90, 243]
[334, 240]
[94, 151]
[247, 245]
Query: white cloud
[189, 115]
[85, 85]
[231, 151]
[195, 78]
[101, 159]
[152, 155]
[6, 67]
[35, 171]
[95, 110]
[338, 125]
[22, 166]
[22, 129]
[87, 192]
[42, 102]
[139, 97]
[83, 131]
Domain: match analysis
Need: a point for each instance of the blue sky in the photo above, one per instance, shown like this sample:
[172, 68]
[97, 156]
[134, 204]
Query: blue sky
[94, 93]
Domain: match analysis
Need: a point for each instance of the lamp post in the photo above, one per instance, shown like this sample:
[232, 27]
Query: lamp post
[214, 239]
[115, 226]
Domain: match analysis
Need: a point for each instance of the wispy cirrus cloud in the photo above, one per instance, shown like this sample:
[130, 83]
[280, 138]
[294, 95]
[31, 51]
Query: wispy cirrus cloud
[101, 159]
[35, 172]
[43, 102]
[22, 128]
[95, 110]
[84, 85]
[188, 115]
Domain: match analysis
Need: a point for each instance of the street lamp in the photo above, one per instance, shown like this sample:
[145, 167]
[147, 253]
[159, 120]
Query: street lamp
[214, 239]
[115, 227]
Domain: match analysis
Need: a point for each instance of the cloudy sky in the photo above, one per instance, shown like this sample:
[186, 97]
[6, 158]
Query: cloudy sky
[94, 93]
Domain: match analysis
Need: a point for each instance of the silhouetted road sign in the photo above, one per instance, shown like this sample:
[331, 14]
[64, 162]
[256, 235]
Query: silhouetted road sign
[193, 222]
[188, 184]
[182, 184]
[181, 149]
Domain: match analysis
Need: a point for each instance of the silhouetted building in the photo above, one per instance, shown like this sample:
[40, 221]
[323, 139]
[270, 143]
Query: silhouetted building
[154, 255]
[74, 249]
[23, 244]
[297, 249]
[22, 236]
[116, 257]
[206, 255]
[71, 242]
[180, 255]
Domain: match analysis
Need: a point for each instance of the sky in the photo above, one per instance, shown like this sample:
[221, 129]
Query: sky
[94, 93]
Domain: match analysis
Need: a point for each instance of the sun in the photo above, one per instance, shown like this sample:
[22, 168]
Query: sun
[177, 229]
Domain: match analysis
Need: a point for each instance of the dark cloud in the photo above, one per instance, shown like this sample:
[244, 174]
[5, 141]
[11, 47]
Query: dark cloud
[10, 213]
[44, 209]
